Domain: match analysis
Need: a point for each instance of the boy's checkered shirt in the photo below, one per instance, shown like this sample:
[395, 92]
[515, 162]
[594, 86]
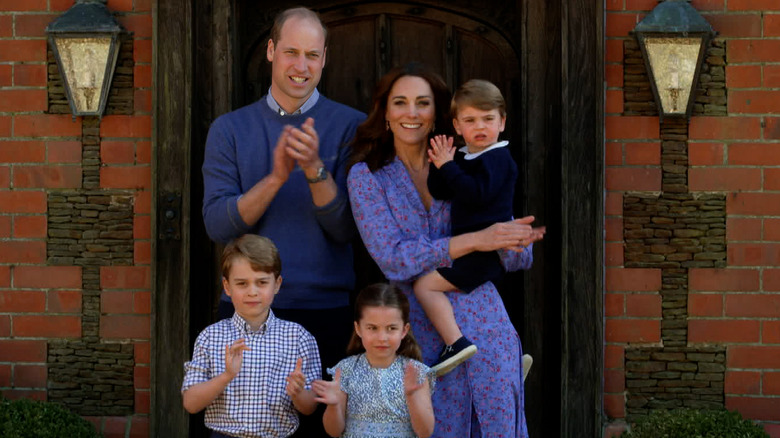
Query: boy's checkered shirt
[254, 403]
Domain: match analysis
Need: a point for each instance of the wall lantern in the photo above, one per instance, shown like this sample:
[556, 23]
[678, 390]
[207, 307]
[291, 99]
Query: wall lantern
[673, 39]
[85, 42]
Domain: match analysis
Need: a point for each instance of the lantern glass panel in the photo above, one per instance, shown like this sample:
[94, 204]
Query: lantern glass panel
[84, 61]
[673, 61]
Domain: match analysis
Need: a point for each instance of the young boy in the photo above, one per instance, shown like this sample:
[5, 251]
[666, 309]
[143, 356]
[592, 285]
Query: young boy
[253, 371]
[480, 182]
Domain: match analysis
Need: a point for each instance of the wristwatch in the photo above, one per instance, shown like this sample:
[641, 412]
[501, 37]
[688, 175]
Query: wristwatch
[322, 175]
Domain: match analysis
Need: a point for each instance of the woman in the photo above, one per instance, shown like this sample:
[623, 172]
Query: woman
[407, 232]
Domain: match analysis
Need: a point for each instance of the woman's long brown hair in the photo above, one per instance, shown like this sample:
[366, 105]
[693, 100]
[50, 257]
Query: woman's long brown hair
[384, 295]
[373, 142]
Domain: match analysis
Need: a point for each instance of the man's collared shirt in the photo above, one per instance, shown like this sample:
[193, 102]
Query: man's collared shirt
[255, 402]
[309, 104]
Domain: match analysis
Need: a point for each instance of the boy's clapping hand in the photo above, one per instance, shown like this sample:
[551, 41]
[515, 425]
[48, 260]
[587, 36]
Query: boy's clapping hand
[296, 381]
[234, 354]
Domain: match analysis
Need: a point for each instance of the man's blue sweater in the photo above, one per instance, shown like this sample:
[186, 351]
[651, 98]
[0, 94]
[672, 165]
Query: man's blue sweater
[313, 242]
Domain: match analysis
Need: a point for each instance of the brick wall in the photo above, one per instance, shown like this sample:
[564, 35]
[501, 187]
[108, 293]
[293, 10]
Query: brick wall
[731, 313]
[75, 226]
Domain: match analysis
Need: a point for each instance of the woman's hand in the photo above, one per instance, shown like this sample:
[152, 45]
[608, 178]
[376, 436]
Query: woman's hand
[514, 235]
[441, 150]
[328, 392]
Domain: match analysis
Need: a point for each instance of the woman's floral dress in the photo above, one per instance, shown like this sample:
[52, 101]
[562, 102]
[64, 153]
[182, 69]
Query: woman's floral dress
[484, 396]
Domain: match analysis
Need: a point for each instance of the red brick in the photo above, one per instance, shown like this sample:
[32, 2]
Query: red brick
[718, 128]
[143, 353]
[753, 5]
[60, 5]
[771, 383]
[633, 280]
[772, 179]
[29, 376]
[5, 276]
[633, 127]
[757, 154]
[142, 101]
[142, 377]
[743, 382]
[32, 25]
[756, 408]
[22, 301]
[724, 179]
[772, 128]
[708, 5]
[771, 280]
[63, 151]
[5, 227]
[736, 25]
[772, 72]
[116, 302]
[48, 277]
[615, 405]
[640, 5]
[743, 76]
[614, 304]
[142, 227]
[143, 152]
[142, 51]
[120, 5]
[140, 25]
[142, 76]
[613, 154]
[758, 204]
[614, 253]
[23, 50]
[15, 350]
[47, 125]
[614, 51]
[132, 177]
[753, 51]
[753, 305]
[643, 153]
[613, 204]
[30, 75]
[771, 25]
[23, 100]
[27, 5]
[6, 70]
[633, 330]
[614, 381]
[5, 126]
[5, 326]
[614, 75]
[125, 327]
[723, 331]
[142, 402]
[22, 251]
[125, 277]
[64, 301]
[22, 151]
[16, 394]
[142, 302]
[753, 357]
[771, 229]
[705, 304]
[5, 375]
[743, 229]
[6, 29]
[30, 227]
[613, 356]
[140, 425]
[643, 305]
[5, 177]
[114, 427]
[613, 228]
[142, 253]
[143, 5]
[753, 254]
[49, 326]
[126, 126]
[143, 202]
[117, 152]
[57, 177]
[770, 332]
[23, 201]
[620, 24]
[754, 102]
[633, 178]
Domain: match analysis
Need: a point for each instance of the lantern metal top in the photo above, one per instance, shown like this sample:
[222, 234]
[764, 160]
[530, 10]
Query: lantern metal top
[86, 16]
[674, 16]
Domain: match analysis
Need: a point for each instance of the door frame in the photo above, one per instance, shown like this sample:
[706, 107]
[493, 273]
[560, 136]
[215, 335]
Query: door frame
[562, 108]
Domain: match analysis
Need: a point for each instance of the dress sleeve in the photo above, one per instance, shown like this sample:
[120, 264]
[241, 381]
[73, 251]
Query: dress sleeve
[401, 256]
[517, 261]
[221, 187]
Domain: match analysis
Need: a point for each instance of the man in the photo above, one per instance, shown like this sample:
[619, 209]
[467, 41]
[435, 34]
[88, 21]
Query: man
[277, 168]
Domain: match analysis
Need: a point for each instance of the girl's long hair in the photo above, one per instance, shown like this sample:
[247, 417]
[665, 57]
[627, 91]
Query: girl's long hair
[384, 295]
[373, 142]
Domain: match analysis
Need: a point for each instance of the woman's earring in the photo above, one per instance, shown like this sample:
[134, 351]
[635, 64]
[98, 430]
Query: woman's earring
[387, 125]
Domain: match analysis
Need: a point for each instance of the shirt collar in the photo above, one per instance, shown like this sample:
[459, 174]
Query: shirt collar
[465, 149]
[310, 102]
[243, 326]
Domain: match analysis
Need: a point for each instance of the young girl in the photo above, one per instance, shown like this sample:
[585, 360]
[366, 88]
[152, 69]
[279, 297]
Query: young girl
[382, 389]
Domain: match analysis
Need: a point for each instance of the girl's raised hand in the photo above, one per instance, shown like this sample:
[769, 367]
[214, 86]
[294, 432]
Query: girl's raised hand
[411, 379]
[328, 392]
[296, 382]
[441, 150]
[234, 354]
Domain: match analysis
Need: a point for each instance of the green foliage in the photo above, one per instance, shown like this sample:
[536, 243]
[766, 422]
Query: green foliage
[25, 418]
[691, 423]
